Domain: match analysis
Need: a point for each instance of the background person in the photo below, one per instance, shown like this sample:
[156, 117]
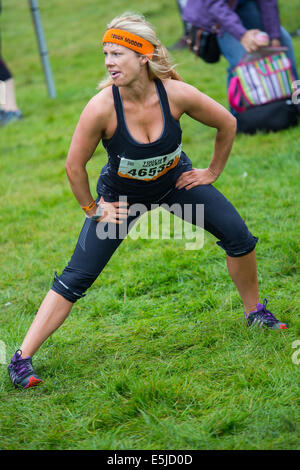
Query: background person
[239, 22]
[137, 117]
[9, 110]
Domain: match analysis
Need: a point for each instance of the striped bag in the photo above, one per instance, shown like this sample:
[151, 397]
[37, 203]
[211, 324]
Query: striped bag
[261, 81]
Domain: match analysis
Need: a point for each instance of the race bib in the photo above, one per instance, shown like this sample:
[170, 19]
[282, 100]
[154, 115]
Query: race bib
[149, 169]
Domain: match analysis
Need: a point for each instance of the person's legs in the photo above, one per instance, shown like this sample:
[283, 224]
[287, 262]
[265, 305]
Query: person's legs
[10, 103]
[92, 252]
[230, 47]
[182, 42]
[250, 15]
[9, 110]
[286, 41]
[51, 314]
[5, 73]
[223, 221]
[233, 51]
[96, 244]
[243, 272]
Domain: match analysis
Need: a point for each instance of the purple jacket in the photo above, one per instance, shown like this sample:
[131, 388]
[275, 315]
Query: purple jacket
[207, 14]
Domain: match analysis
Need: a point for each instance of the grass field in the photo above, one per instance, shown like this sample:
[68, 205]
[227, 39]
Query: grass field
[157, 355]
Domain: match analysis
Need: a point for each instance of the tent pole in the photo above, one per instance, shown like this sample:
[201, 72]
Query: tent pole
[35, 12]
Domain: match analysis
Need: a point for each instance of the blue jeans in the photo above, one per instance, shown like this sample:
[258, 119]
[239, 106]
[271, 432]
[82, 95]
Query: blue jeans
[181, 4]
[233, 50]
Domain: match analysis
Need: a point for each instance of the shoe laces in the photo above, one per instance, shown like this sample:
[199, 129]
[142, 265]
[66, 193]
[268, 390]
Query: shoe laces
[266, 314]
[22, 366]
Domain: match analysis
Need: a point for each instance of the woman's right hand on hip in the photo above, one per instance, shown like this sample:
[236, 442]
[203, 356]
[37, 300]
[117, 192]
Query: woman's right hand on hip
[115, 212]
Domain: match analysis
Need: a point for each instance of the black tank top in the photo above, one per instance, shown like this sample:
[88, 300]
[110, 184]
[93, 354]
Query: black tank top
[143, 170]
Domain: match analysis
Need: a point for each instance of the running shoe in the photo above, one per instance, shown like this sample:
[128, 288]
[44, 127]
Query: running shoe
[7, 117]
[21, 372]
[263, 318]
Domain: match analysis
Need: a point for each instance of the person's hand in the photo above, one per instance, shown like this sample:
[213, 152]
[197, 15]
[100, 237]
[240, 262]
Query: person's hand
[275, 43]
[249, 40]
[114, 212]
[195, 177]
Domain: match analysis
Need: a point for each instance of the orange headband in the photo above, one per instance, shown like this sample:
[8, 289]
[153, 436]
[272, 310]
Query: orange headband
[130, 40]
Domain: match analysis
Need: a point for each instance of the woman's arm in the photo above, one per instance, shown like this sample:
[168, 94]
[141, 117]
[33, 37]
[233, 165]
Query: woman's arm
[88, 133]
[189, 100]
[208, 13]
[223, 14]
[86, 137]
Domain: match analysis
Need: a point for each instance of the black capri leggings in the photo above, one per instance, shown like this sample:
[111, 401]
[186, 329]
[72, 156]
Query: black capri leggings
[92, 253]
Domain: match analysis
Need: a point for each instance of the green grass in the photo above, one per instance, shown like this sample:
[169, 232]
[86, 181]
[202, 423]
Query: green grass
[157, 355]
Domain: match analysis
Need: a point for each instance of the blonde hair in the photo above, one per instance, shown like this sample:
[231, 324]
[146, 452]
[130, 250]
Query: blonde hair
[160, 66]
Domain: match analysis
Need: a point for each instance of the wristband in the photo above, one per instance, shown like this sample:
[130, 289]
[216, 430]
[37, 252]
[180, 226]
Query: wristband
[89, 207]
[99, 213]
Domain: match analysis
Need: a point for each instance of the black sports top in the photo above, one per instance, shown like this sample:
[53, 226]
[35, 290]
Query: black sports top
[143, 170]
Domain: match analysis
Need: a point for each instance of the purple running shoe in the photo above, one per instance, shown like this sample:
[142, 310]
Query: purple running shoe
[21, 372]
[264, 318]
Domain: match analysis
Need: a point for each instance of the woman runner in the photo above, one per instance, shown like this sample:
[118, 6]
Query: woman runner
[137, 117]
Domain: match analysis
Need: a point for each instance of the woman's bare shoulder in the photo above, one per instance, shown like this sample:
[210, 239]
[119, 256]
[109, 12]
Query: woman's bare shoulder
[101, 104]
[96, 115]
[180, 96]
[179, 88]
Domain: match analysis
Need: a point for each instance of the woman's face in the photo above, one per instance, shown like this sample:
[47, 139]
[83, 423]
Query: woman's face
[123, 64]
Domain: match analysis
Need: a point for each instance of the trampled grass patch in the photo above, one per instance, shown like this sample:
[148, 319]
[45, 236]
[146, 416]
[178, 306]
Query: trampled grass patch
[157, 355]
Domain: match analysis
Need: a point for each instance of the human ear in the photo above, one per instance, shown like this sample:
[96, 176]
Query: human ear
[143, 59]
